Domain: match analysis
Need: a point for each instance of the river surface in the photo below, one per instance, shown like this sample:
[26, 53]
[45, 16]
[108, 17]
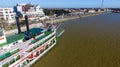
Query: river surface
[88, 42]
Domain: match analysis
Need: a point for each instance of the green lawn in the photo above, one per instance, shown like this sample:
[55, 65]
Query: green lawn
[10, 27]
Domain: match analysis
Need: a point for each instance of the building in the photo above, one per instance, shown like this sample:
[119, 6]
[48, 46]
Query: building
[7, 14]
[33, 11]
[91, 11]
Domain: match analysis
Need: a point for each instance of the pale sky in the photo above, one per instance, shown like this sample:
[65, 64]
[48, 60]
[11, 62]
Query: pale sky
[63, 3]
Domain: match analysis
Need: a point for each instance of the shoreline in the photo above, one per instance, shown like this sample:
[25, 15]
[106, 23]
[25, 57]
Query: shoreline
[76, 17]
[36, 25]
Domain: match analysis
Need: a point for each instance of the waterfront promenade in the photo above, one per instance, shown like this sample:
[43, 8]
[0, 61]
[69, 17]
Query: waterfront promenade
[37, 25]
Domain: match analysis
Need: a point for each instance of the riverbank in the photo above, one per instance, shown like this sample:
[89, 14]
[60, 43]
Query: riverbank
[23, 28]
[76, 17]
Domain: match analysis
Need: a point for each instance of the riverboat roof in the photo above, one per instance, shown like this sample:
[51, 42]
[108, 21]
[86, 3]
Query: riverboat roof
[16, 37]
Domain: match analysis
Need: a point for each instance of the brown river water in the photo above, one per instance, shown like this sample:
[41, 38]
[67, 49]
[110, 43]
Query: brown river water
[87, 42]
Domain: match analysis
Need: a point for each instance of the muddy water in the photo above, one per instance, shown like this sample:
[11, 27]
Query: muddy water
[87, 42]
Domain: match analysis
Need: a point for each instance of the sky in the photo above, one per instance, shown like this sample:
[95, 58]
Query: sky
[64, 3]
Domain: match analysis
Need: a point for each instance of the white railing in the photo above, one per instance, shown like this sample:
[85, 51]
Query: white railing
[26, 54]
[24, 46]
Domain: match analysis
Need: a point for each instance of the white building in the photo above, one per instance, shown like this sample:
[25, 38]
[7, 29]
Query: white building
[7, 14]
[92, 11]
[33, 11]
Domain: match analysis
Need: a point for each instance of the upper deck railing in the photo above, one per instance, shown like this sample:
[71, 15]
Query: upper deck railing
[24, 46]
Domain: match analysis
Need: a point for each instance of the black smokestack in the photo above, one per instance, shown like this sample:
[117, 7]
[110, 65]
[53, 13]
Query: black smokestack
[27, 25]
[18, 24]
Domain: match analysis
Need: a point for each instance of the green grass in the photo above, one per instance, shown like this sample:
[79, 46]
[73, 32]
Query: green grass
[10, 27]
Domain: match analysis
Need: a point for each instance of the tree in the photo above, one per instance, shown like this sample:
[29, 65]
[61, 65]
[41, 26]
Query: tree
[1, 22]
[55, 11]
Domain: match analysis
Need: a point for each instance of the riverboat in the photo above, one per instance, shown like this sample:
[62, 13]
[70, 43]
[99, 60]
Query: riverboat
[25, 48]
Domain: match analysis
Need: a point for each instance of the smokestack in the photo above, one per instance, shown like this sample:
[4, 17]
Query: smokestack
[18, 24]
[27, 25]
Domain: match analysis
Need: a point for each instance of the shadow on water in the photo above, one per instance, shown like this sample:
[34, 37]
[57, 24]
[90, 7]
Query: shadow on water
[87, 42]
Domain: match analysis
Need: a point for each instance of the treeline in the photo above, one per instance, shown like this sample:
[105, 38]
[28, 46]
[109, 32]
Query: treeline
[55, 11]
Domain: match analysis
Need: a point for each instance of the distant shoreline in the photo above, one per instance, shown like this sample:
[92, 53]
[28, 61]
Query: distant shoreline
[14, 31]
[76, 17]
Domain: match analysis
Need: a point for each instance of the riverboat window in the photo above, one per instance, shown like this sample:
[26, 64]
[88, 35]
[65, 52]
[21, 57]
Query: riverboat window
[18, 66]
